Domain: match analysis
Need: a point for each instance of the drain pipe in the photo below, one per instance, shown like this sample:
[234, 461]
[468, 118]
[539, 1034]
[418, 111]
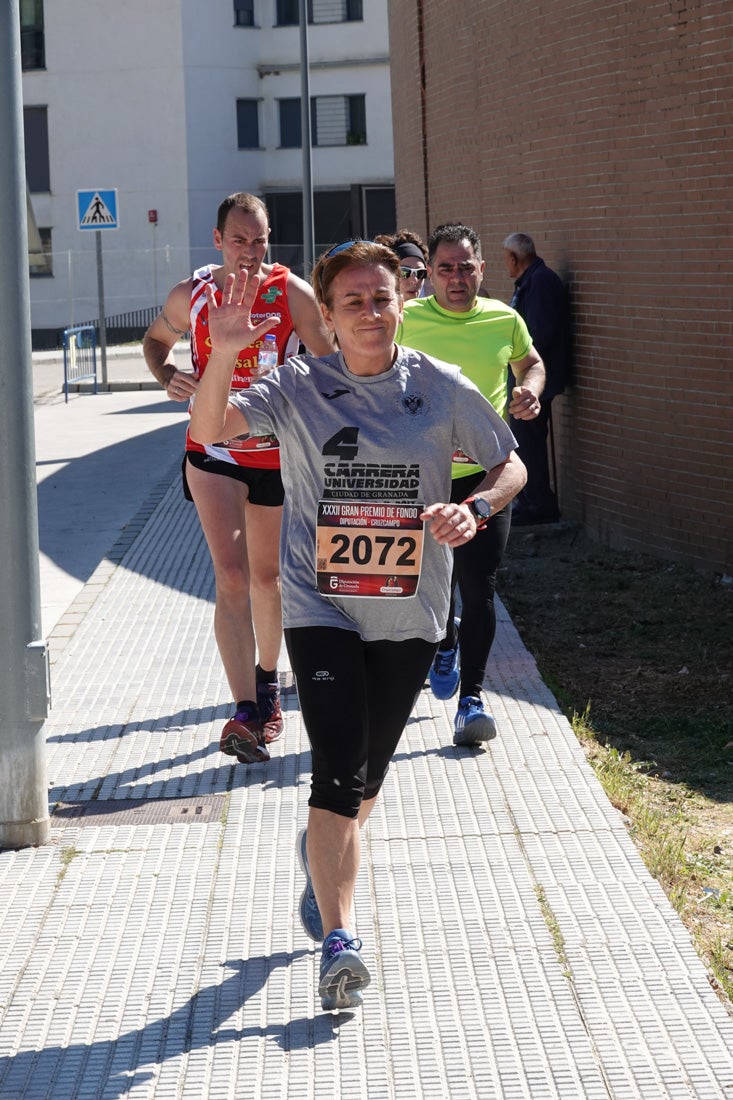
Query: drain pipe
[422, 68]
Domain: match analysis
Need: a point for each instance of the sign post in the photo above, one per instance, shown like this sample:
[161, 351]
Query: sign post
[97, 210]
[153, 219]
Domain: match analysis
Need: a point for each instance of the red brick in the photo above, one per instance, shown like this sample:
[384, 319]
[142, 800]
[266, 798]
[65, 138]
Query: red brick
[604, 130]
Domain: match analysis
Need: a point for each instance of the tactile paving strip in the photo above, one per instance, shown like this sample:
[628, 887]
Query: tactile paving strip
[518, 948]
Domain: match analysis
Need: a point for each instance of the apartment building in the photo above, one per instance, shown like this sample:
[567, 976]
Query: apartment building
[167, 107]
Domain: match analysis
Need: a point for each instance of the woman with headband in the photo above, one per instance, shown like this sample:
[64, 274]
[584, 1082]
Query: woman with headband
[367, 436]
[413, 257]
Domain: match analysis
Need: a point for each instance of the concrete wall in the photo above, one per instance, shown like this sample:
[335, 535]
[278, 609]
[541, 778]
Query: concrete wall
[113, 86]
[604, 130]
[223, 63]
[142, 97]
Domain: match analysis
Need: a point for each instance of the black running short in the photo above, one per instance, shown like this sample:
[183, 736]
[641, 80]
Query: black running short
[265, 486]
[355, 698]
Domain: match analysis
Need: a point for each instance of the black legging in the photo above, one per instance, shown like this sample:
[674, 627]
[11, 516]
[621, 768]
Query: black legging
[355, 697]
[531, 437]
[475, 566]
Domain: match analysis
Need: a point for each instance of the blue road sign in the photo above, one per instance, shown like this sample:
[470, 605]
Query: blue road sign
[97, 209]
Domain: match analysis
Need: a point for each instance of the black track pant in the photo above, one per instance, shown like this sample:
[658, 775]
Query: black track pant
[475, 566]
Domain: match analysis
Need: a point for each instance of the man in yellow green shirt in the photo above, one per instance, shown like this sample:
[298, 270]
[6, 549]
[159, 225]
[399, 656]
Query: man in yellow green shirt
[484, 337]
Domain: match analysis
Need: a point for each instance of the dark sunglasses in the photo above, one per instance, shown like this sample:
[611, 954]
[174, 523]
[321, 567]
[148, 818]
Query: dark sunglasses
[420, 273]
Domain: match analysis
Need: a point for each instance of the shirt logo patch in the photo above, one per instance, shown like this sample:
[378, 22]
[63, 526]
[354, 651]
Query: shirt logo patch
[414, 404]
[271, 295]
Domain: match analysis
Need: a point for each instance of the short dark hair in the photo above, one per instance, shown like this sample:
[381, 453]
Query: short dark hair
[453, 233]
[250, 204]
[358, 254]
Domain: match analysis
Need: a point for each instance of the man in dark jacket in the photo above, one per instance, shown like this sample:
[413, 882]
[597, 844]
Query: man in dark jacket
[540, 298]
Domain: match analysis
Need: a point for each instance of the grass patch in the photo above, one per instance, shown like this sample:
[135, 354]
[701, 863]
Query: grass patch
[639, 654]
[553, 926]
[66, 857]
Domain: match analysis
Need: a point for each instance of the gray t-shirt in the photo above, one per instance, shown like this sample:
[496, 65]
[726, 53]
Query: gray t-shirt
[361, 457]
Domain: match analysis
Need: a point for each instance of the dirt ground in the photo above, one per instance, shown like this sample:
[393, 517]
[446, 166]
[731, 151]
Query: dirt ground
[640, 651]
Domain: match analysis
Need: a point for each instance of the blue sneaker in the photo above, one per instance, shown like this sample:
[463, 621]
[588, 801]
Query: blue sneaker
[308, 911]
[444, 674]
[472, 723]
[343, 973]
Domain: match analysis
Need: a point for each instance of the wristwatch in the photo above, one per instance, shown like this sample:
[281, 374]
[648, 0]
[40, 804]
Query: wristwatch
[481, 510]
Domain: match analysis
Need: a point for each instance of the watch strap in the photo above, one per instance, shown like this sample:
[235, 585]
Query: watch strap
[481, 521]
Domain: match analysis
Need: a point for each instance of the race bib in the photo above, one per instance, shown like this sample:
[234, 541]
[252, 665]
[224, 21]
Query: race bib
[368, 548]
[461, 456]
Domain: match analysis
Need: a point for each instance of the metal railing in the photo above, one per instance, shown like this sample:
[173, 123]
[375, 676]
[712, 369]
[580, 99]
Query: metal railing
[80, 355]
[123, 327]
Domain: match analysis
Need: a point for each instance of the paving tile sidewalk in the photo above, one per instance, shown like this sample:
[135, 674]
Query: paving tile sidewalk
[518, 947]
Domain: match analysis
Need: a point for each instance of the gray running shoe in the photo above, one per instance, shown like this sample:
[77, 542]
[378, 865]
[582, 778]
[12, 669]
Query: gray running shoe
[308, 911]
[343, 972]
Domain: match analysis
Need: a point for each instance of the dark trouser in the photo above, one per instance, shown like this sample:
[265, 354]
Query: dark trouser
[474, 571]
[536, 497]
[355, 697]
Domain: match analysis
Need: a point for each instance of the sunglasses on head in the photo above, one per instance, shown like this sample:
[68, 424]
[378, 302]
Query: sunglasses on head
[343, 246]
[418, 272]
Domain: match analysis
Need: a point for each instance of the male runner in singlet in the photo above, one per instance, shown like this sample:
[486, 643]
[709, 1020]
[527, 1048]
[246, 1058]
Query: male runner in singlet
[236, 486]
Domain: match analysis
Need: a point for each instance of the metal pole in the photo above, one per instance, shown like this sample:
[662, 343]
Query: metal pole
[155, 269]
[309, 247]
[24, 674]
[70, 268]
[100, 298]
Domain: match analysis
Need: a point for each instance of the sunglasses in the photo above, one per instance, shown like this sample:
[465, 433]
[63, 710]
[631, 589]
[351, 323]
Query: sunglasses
[343, 246]
[419, 273]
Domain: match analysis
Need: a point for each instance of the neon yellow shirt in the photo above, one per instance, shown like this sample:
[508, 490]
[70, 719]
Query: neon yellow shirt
[482, 341]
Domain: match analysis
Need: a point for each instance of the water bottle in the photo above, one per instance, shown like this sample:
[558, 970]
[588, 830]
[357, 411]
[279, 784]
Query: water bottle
[267, 355]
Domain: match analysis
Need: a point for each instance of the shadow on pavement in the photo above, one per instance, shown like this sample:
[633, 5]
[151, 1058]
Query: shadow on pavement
[114, 1067]
[83, 507]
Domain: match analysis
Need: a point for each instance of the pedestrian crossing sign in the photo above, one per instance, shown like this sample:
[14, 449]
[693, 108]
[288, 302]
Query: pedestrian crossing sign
[97, 209]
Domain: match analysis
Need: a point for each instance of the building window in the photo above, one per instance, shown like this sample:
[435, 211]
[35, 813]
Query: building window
[335, 120]
[244, 13]
[338, 215]
[290, 129]
[340, 120]
[248, 127]
[42, 265]
[287, 12]
[32, 41]
[335, 11]
[37, 167]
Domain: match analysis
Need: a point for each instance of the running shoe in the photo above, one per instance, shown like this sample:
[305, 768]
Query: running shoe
[308, 911]
[343, 972]
[444, 674]
[472, 723]
[268, 704]
[244, 737]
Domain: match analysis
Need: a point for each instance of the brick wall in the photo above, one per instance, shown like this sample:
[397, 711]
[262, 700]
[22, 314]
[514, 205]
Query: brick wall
[605, 130]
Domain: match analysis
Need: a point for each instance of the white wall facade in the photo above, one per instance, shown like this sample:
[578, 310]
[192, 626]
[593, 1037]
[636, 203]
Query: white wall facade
[142, 98]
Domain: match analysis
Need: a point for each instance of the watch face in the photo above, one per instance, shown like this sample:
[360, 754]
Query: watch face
[482, 508]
